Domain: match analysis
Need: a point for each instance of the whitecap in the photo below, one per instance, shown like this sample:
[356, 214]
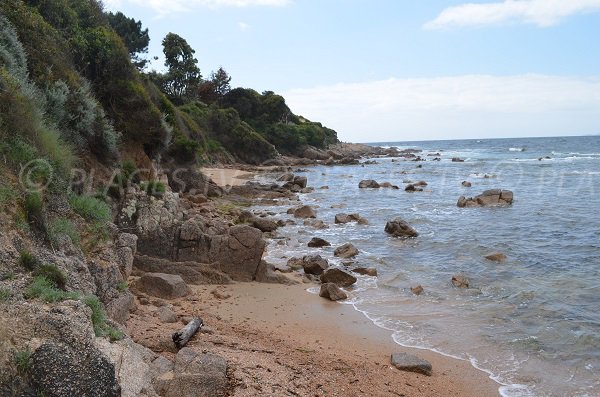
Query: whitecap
[517, 149]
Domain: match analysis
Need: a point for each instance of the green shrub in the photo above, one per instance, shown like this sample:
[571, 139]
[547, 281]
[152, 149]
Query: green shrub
[99, 319]
[8, 196]
[22, 360]
[97, 233]
[91, 208]
[52, 274]
[33, 207]
[5, 294]
[63, 226]
[122, 286]
[153, 188]
[28, 260]
[47, 291]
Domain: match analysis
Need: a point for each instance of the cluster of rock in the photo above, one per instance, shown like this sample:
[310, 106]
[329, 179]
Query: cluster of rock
[372, 184]
[489, 198]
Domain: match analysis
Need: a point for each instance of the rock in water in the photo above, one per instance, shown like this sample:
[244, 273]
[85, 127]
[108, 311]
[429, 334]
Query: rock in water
[161, 285]
[317, 242]
[418, 290]
[466, 184]
[489, 198]
[337, 277]
[265, 225]
[399, 228]
[409, 363]
[347, 218]
[346, 251]
[496, 257]
[314, 264]
[368, 184]
[366, 271]
[306, 211]
[460, 281]
[332, 292]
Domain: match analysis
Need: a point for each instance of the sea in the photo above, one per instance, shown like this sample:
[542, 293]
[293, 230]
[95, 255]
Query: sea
[532, 322]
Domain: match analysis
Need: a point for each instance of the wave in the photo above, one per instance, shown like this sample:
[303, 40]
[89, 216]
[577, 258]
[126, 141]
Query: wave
[517, 149]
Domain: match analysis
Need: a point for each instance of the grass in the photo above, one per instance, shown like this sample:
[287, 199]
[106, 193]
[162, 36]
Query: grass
[153, 188]
[97, 233]
[101, 328]
[28, 260]
[8, 196]
[63, 226]
[122, 286]
[22, 360]
[91, 208]
[8, 275]
[52, 274]
[47, 291]
[5, 295]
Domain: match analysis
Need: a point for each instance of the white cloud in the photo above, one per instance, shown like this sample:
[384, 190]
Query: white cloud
[542, 13]
[244, 27]
[454, 107]
[164, 7]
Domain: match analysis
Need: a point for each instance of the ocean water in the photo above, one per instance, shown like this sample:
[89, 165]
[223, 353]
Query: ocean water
[532, 322]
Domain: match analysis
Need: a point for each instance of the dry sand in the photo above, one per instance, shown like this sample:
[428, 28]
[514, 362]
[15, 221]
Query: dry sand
[228, 176]
[283, 341]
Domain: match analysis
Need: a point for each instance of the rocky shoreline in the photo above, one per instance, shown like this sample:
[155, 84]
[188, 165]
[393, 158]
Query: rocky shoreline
[182, 253]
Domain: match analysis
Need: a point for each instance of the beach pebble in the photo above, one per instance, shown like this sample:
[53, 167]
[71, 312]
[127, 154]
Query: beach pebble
[409, 363]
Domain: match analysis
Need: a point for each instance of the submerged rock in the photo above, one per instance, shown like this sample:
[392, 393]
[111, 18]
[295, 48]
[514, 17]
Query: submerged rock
[496, 257]
[409, 363]
[460, 281]
[418, 290]
[347, 218]
[466, 184]
[366, 271]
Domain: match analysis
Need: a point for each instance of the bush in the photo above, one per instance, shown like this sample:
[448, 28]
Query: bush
[63, 226]
[122, 286]
[8, 196]
[99, 319]
[53, 274]
[33, 208]
[5, 294]
[91, 208]
[47, 291]
[153, 188]
[28, 260]
[22, 360]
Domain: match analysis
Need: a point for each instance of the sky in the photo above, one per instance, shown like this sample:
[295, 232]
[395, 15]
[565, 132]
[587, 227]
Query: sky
[397, 70]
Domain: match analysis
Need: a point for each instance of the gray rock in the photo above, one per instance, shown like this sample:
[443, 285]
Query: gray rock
[266, 274]
[59, 371]
[409, 363]
[317, 242]
[337, 277]
[347, 218]
[346, 251]
[399, 228]
[166, 314]
[467, 184]
[288, 177]
[332, 292]
[191, 272]
[265, 225]
[314, 264]
[368, 184]
[489, 198]
[162, 285]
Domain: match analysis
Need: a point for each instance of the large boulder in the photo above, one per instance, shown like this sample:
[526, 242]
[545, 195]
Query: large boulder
[195, 375]
[338, 277]
[346, 251]
[306, 211]
[314, 264]
[58, 371]
[489, 198]
[191, 272]
[265, 225]
[332, 292]
[368, 184]
[188, 180]
[162, 285]
[409, 363]
[399, 228]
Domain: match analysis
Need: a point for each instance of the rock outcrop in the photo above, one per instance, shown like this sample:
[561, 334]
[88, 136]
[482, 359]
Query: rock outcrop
[489, 198]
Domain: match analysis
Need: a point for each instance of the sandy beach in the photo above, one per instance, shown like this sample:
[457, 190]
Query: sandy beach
[284, 341]
[228, 176]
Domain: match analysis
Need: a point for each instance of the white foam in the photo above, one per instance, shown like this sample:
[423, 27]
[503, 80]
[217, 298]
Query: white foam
[517, 149]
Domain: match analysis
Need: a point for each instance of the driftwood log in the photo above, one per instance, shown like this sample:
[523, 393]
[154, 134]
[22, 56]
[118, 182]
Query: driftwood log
[183, 336]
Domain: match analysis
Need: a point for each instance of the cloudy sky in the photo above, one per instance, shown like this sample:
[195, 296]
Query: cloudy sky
[392, 70]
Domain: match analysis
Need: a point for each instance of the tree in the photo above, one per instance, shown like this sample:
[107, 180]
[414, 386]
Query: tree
[136, 40]
[183, 75]
[220, 80]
